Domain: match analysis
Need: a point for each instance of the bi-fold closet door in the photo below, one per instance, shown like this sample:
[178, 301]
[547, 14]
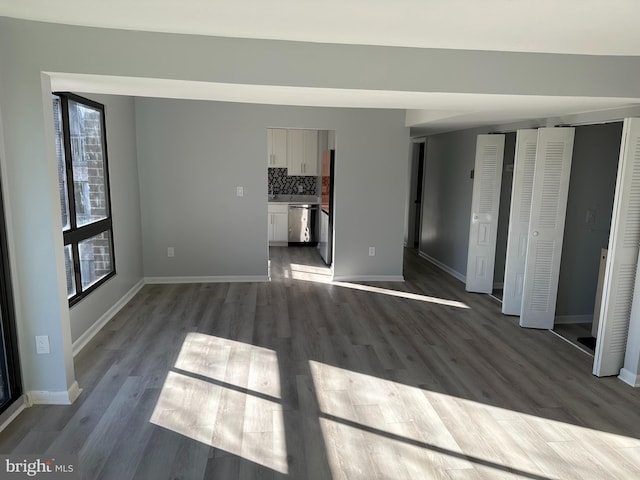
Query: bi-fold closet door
[554, 152]
[541, 181]
[542, 167]
[536, 223]
[519, 215]
[485, 203]
[622, 260]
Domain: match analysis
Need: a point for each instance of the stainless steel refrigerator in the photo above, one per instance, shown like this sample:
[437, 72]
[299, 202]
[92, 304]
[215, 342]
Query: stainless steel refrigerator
[325, 240]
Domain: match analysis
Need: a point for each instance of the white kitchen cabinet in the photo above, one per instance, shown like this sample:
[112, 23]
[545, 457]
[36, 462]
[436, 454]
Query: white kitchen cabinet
[302, 152]
[278, 224]
[277, 147]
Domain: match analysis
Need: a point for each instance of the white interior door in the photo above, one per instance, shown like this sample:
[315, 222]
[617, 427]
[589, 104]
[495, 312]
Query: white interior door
[620, 273]
[484, 213]
[554, 151]
[519, 215]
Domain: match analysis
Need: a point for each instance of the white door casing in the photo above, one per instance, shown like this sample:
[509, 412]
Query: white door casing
[554, 152]
[519, 215]
[620, 273]
[485, 204]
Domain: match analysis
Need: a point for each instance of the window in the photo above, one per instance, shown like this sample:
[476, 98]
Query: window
[83, 175]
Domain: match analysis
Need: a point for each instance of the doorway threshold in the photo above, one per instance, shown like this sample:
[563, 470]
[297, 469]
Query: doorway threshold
[497, 294]
[572, 343]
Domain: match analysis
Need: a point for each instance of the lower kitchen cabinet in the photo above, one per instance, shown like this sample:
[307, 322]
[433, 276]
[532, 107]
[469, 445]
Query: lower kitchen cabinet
[278, 224]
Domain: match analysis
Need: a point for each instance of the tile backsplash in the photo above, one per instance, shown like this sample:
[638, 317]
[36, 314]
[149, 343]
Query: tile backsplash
[281, 183]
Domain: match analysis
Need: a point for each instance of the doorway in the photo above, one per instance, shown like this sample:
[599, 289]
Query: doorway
[414, 208]
[300, 202]
[503, 215]
[586, 232]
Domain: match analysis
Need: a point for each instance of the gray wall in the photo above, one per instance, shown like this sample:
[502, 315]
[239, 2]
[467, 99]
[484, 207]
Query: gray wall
[125, 208]
[447, 204]
[505, 204]
[447, 194]
[193, 154]
[592, 187]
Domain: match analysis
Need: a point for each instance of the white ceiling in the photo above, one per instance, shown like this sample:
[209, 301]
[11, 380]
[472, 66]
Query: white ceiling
[602, 27]
[592, 27]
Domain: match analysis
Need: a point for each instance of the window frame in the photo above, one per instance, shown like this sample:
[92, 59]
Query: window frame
[74, 235]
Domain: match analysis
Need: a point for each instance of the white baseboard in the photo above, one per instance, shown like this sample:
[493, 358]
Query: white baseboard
[91, 332]
[368, 278]
[45, 397]
[13, 411]
[217, 279]
[568, 319]
[630, 378]
[442, 266]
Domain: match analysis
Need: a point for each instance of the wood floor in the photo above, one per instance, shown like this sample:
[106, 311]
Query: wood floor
[299, 378]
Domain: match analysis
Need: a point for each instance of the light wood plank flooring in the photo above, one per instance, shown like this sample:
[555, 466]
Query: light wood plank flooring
[299, 378]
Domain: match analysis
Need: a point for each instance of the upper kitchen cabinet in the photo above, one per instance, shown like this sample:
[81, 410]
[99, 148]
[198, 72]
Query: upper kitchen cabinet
[302, 152]
[277, 147]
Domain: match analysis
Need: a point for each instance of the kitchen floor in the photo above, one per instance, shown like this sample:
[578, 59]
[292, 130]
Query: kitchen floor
[296, 262]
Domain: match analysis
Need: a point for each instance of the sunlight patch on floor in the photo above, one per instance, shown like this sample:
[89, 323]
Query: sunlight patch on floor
[401, 294]
[210, 397]
[323, 275]
[399, 428]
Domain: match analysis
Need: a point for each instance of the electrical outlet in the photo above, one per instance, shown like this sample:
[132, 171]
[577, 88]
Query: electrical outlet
[300, 188]
[42, 344]
[372, 251]
[239, 191]
[171, 252]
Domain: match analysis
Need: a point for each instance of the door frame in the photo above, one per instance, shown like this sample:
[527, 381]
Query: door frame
[7, 320]
[414, 216]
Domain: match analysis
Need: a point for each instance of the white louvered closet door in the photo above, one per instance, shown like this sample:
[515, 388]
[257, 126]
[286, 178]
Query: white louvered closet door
[554, 151]
[484, 213]
[620, 272]
[519, 215]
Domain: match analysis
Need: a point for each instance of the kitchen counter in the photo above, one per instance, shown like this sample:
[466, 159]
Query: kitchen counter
[294, 199]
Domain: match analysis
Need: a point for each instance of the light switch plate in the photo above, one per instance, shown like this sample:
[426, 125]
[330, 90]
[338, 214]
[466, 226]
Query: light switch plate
[239, 191]
[42, 344]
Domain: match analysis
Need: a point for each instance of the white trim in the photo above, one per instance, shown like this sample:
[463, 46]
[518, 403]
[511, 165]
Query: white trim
[45, 397]
[630, 378]
[91, 332]
[217, 279]
[442, 266]
[368, 278]
[568, 319]
[13, 411]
